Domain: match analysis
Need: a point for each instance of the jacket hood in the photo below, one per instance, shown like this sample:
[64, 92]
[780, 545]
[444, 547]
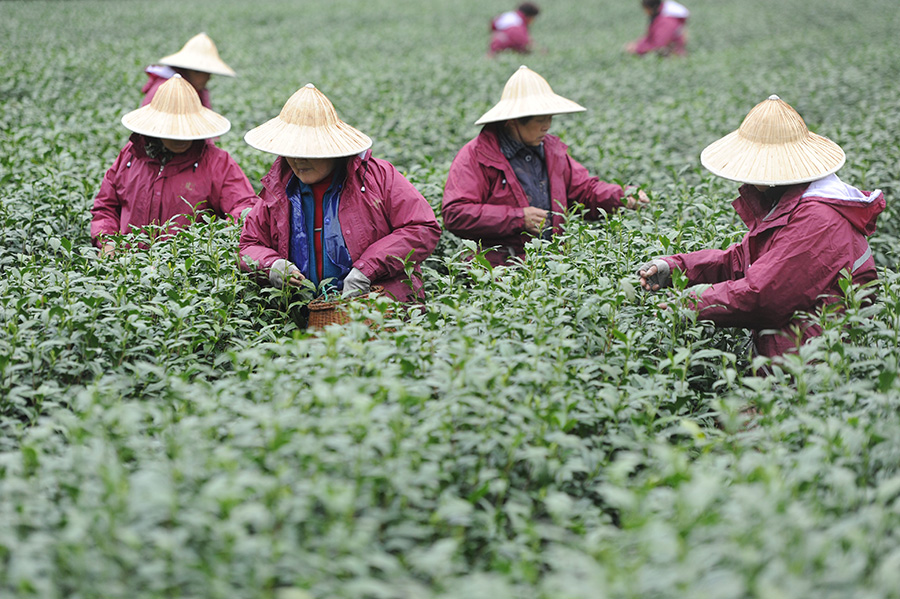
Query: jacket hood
[860, 208]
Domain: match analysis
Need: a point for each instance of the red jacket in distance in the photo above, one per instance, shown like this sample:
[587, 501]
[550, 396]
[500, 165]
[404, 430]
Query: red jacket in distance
[156, 76]
[383, 218]
[509, 31]
[484, 201]
[790, 260]
[137, 191]
[666, 32]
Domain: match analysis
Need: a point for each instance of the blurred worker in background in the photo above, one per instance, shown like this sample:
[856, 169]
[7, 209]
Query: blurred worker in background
[196, 62]
[509, 31]
[665, 34]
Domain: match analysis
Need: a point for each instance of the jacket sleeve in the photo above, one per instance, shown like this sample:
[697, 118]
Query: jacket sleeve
[660, 34]
[467, 208]
[257, 242]
[803, 261]
[595, 194]
[107, 210]
[414, 229]
[711, 266]
[233, 193]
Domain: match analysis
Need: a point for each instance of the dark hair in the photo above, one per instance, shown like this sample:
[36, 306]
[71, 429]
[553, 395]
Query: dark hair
[651, 4]
[529, 9]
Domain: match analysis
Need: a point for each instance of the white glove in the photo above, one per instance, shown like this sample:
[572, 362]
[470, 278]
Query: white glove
[355, 283]
[280, 271]
[663, 275]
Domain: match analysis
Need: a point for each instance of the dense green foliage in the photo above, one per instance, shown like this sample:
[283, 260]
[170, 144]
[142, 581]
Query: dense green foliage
[168, 429]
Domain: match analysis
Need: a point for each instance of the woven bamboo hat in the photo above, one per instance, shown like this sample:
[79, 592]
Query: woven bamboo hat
[308, 127]
[199, 54]
[527, 94]
[773, 146]
[175, 112]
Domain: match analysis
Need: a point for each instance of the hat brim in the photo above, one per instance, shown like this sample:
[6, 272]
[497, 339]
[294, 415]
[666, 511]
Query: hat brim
[204, 64]
[203, 124]
[736, 158]
[301, 141]
[517, 108]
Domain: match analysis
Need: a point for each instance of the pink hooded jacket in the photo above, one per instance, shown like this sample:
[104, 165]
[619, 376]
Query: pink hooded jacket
[666, 31]
[790, 260]
[484, 201]
[136, 191]
[156, 76]
[509, 31]
[383, 218]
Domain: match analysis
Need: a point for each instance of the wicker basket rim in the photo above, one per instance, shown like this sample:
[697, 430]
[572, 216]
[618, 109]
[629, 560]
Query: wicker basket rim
[320, 304]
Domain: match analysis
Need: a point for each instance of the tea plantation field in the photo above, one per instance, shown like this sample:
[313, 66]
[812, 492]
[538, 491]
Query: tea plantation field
[168, 430]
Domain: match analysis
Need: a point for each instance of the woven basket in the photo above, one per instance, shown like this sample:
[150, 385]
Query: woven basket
[325, 312]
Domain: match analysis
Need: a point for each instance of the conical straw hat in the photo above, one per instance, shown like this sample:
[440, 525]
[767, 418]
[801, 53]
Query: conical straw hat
[199, 54]
[308, 127]
[773, 146]
[175, 112]
[527, 94]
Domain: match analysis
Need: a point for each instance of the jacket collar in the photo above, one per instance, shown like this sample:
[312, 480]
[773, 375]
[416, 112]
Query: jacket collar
[178, 161]
[755, 211]
[487, 147]
[276, 180]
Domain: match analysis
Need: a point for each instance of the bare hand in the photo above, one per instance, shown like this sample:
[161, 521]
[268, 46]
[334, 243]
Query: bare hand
[296, 278]
[107, 249]
[636, 203]
[535, 219]
[646, 274]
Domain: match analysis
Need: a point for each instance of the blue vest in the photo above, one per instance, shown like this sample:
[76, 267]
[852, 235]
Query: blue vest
[302, 249]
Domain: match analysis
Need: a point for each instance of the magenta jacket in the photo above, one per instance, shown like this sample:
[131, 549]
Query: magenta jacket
[155, 78]
[510, 32]
[790, 260]
[136, 191]
[484, 201]
[666, 31]
[383, 218]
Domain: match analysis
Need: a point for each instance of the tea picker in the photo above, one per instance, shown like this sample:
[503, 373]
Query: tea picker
[807, 231]
[665, 33]
[330, 210]
[509, 30]
[169, 173]
[195, 62]
[515, 181]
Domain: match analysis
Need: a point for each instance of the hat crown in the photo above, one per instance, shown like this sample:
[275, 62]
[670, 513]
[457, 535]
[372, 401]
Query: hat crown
[308, 107]
[773, 121]
[525, 83]
[177, 97]
[202, 44]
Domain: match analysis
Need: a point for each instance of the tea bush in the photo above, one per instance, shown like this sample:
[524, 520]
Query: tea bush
[169, 428]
